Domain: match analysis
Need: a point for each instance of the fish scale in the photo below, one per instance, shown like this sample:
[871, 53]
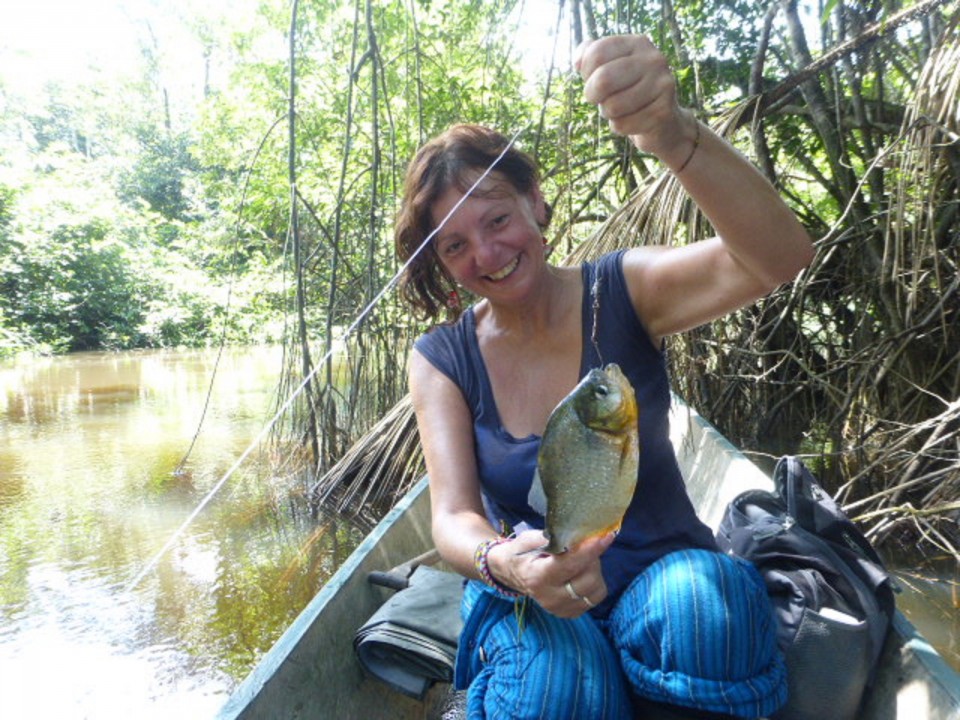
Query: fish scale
[587, 463]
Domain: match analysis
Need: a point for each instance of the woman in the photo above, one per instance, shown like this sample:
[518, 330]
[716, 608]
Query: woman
[653, 617]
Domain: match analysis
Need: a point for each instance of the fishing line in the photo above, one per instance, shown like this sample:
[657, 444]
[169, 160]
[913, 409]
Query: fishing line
[149, 567]
[595, 330]
[226, 311]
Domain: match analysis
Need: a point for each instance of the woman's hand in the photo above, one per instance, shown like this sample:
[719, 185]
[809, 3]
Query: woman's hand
[759, 245]
[566, 585]
[628, 77]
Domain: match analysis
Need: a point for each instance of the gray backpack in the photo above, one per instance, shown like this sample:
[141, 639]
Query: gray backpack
[832, 595]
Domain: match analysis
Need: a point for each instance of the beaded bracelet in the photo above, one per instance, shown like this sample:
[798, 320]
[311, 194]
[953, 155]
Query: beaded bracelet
[483, 567]
[696, 144]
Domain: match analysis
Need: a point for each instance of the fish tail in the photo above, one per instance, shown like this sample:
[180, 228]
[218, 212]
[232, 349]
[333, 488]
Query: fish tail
[520, 613]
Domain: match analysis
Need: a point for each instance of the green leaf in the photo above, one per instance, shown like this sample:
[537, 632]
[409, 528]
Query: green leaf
[827, 9]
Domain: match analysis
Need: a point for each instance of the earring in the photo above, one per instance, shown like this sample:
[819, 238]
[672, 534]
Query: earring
[453, 300]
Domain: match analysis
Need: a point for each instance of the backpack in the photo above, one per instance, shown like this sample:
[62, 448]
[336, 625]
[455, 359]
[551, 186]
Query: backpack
[832, 596]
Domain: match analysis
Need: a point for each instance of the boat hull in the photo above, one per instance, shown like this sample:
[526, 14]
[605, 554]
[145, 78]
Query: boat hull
[312, 670]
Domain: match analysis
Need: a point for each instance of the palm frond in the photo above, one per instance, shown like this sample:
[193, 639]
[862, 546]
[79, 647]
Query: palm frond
[659, 212]
[379, 468]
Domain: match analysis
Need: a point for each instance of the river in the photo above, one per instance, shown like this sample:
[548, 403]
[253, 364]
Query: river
[89, 445]
[88, 496]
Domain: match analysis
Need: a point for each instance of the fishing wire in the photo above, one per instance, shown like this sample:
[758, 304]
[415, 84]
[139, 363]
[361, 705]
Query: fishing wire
[595, 329]
[155, 560]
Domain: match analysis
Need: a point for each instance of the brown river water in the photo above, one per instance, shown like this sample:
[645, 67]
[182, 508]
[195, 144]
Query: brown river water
[88, 496]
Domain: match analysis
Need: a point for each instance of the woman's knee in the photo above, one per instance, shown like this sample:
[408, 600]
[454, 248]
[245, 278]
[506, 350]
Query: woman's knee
[547, 667]
[696, 628]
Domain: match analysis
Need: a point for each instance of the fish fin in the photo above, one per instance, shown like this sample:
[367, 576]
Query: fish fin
[537, 498]
[540, 550]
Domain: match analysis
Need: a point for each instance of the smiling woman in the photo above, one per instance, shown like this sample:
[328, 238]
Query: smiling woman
[484, 386]
[451, 163]
[484, 243]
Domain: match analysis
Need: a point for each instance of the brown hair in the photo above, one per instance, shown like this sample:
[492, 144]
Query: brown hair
[452, 159]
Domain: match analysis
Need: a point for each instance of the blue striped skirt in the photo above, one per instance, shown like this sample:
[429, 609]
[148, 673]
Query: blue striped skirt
[695, 629]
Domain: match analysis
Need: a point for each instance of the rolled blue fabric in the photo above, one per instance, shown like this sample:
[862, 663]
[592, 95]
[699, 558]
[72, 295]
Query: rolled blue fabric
[696, 629]
[520, 662]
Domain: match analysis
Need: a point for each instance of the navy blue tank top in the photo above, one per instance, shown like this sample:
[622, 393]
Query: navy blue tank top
[661, 517]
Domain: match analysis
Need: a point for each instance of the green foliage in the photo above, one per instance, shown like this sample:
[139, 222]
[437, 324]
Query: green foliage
[138, 214]
[7, 198]
[142, 208]
[79, 270]
[828, 7]
[161, 174]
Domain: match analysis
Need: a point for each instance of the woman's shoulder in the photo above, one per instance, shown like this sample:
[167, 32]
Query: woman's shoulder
[447, 347]
[605, 273]
[612, 265]
[606, 261]
[447, 331]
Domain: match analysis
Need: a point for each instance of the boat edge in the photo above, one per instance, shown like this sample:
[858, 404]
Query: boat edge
[253, 684]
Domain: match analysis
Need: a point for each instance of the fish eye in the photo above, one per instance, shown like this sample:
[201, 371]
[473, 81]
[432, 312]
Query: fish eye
[602, 390]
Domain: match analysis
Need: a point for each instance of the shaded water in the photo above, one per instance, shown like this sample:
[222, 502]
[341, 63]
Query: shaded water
[88, 495]
[930, 598]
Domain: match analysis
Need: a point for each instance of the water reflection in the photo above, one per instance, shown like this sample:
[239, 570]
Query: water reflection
[930, 598]
[88, 494]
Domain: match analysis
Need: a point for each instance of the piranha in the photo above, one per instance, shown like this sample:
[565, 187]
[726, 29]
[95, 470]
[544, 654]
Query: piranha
[587, 464]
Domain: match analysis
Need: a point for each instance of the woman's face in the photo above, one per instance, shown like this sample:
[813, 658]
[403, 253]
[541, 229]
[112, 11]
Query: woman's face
[492, 245]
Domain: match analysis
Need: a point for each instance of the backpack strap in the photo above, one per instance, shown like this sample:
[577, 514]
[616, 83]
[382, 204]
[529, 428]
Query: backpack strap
[799, 490]
[814, 509]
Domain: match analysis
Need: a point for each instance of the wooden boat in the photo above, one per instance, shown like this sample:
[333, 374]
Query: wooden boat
[312, 670]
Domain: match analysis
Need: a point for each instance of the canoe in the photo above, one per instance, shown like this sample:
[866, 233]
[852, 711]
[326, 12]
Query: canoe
[313, 672]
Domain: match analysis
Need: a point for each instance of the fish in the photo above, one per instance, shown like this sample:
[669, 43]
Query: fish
[586, 471]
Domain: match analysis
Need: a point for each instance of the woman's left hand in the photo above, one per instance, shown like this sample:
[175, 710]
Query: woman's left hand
[628, 77]
[567, 584]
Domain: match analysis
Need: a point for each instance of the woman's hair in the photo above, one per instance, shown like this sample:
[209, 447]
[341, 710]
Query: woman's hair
[455, 158]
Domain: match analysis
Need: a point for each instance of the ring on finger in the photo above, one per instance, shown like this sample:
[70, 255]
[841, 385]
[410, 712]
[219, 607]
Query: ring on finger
[574, 595]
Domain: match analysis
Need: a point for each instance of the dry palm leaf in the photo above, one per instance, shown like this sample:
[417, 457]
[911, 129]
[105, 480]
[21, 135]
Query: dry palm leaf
[658, 213]
[920, 450]
[380, 467]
